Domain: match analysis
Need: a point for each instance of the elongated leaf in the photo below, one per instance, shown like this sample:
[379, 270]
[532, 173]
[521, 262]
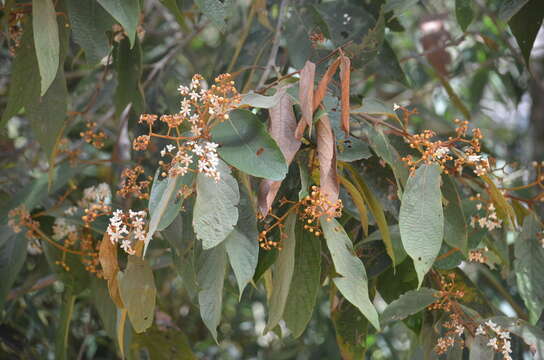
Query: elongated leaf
[305, 283]
[104, 306]
[172, 5]
[63, 325]
[215, 212]
[352, 281]
[464, 13]
[46, 40]
[164, 202]
[374, 106]
[211, 276]
[306, 97]
[282, 275]
[509, 8]
[377, 211]
[525, 25]
[89, 25]
[282, 129]
[358, 201]
[216, 11]
[13, 250]
[480, 350]
[137, 288]
[128, 66]
[345, 64]
[326, 153]
[107, 256]
[455, 227]
[409, 303]
[246, 145]
[127, 13]
[421, 218]
[261, 101]
[25, 76]
[351, 329]
[321, 90]
[242, 244]
[528, 265]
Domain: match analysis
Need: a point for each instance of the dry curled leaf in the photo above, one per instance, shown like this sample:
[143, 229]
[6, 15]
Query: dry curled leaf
[306, 97]
[345, 64]
[282, 129]
[326, 153]
[321, 90]
[108, 258]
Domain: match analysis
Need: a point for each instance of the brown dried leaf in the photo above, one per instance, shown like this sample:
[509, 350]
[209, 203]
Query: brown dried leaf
[345, 64]
[282, 129]
[326, 153]
[324, 83]
[113, 287]
[306, 97]
[107, 256]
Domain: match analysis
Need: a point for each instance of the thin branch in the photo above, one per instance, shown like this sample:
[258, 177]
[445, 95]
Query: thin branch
[271, 63]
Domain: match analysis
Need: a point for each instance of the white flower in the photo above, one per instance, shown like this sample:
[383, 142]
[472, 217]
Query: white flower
[72, 210]
[185, 108]
[194, 96]
[474, 158]
[441, 151]
[396, 107]
[196, 130]
[198, 150]
[479, 206]
[480, 330]
[183, 90]
[493, 343]
[193, 119]
[127, 246]
[139, 234]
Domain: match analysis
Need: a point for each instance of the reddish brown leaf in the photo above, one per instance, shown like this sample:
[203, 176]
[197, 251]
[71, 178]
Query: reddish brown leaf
[345, 64]
[113, 287]
[434, 40]
[326, 153]
[282, 129]
[324, 83]
[107, 256]
[306, 97]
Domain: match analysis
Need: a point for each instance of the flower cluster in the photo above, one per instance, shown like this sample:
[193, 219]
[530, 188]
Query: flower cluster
[19, 218]
[130, 183]
[316, 207]
[312, 209]
[200, 109]
[499, 339]
[478, 255]
[488, 220]
[451, 154]
[455, 326]
[126, 229]
[92, 136]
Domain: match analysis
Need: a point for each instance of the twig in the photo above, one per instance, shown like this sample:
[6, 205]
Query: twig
[271, 63]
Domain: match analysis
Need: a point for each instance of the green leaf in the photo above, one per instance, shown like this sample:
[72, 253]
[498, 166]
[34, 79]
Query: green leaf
[509, 8]
[25, 76]
[282, 275]
[480, 350]
[379, 216]
[409, 303]
[373, 106]
[242, 243]
[127, 13]
[464, 13]
[245, 144]
[170, 344]
[351, 330]
[47, 115]
[455, 227]
[46, 41]
[528, 265]
[525, 26]
[261, 101]
[63, 327]
[383, 148]
[172, 5]
[211, 277]
[89, 25]
[350, 270]
[352, 149]
[305, 283]
[137, 289]
[215, 213]
[103, 304]
[77, 277]
[13, 250]
[421, 218]
[128, 66]
[164, 202]
[398, 7]
[216, 11]
[504, 210]
[531, 335]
